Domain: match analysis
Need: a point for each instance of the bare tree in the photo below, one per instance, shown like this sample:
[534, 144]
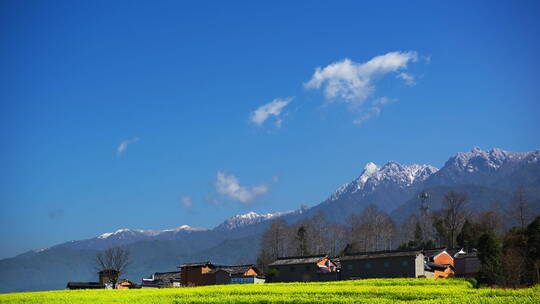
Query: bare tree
[336, 238]
[116, 258]
[372, 230]
[514, 266]
[520, 210]
[274, 239]
[490, 220]
[273, 244]
[455, 212]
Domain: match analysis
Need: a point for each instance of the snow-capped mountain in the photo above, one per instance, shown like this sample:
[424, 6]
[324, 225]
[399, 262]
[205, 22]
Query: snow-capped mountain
[127, 233]
[252, 218]
[394, 184]
[127, 236]
[392, 173]
[485, 168]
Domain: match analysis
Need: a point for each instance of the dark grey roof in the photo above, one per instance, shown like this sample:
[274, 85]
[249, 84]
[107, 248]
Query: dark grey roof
[198, 264]
[379, 254]
[473, 254]
[85, 285]
[298, 260]
[167, 276]
[234, 270]
[430, 266]
[151, 285]
[336, 261]
[429, 253]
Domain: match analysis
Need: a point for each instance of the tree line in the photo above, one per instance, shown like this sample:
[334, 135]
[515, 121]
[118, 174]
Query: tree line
[505, 239]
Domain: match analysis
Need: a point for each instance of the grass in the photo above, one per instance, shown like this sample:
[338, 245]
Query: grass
[360, 291]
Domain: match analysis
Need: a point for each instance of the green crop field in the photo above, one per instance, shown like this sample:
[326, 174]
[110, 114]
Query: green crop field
[361, 291]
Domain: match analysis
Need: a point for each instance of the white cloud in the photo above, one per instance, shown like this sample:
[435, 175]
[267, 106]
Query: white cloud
[124, 144]
[186, 201]
[354, 82]
[272, 108]
[407, 78]
[229, 186]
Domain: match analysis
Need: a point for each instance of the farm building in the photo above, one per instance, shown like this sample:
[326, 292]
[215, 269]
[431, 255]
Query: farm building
[439, 263]
[107, 279]
[162, 279]
[304, 269]
[85, 285]
[108, 276]
[236, 279]
[383, 264]
[127, 284]
[236, 274]
[467, 265]
[196, 274]
[206, 273]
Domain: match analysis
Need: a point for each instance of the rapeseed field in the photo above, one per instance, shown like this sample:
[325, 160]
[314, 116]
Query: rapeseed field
[358, 291]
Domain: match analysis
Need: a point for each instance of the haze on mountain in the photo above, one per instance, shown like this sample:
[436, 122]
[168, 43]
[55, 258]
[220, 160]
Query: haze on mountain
[488, 178]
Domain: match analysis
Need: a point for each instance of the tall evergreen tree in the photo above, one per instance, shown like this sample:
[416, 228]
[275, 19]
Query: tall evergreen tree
[533, 246]
[490, 255]
[467, 237]
[302, 239]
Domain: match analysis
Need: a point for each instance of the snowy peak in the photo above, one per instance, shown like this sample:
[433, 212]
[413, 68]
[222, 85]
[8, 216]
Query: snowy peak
[185, 228]
[134, 233]
[391, 173]
[251, 218]
[369, 170]
[494, 159]
[395, 172]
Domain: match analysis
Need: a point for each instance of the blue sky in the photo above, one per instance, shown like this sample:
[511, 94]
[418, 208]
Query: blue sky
[144, 114]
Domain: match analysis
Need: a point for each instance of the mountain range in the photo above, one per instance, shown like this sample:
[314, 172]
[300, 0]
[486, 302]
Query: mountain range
[487, 177]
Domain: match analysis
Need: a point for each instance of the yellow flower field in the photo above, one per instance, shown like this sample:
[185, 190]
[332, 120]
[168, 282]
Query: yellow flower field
[360, 291]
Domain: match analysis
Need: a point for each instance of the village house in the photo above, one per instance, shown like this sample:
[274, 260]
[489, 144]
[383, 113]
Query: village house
[240, 274]
[383, 264]
[304, 269]
[85, 285]
[196, 274]
[206, 273]
[127, 284]
[439, 263]
[107, 278]
[162, 279]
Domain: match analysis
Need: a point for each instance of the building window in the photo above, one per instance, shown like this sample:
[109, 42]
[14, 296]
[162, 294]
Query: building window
[386, 264]
[349, 267]
[405, 263]
[368, 265]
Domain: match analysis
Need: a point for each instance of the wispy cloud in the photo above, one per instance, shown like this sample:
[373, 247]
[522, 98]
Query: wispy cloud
[229, 186]
[354, 83]
[186, 201]
[407, 78]
[124, 145]
[273, 108]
